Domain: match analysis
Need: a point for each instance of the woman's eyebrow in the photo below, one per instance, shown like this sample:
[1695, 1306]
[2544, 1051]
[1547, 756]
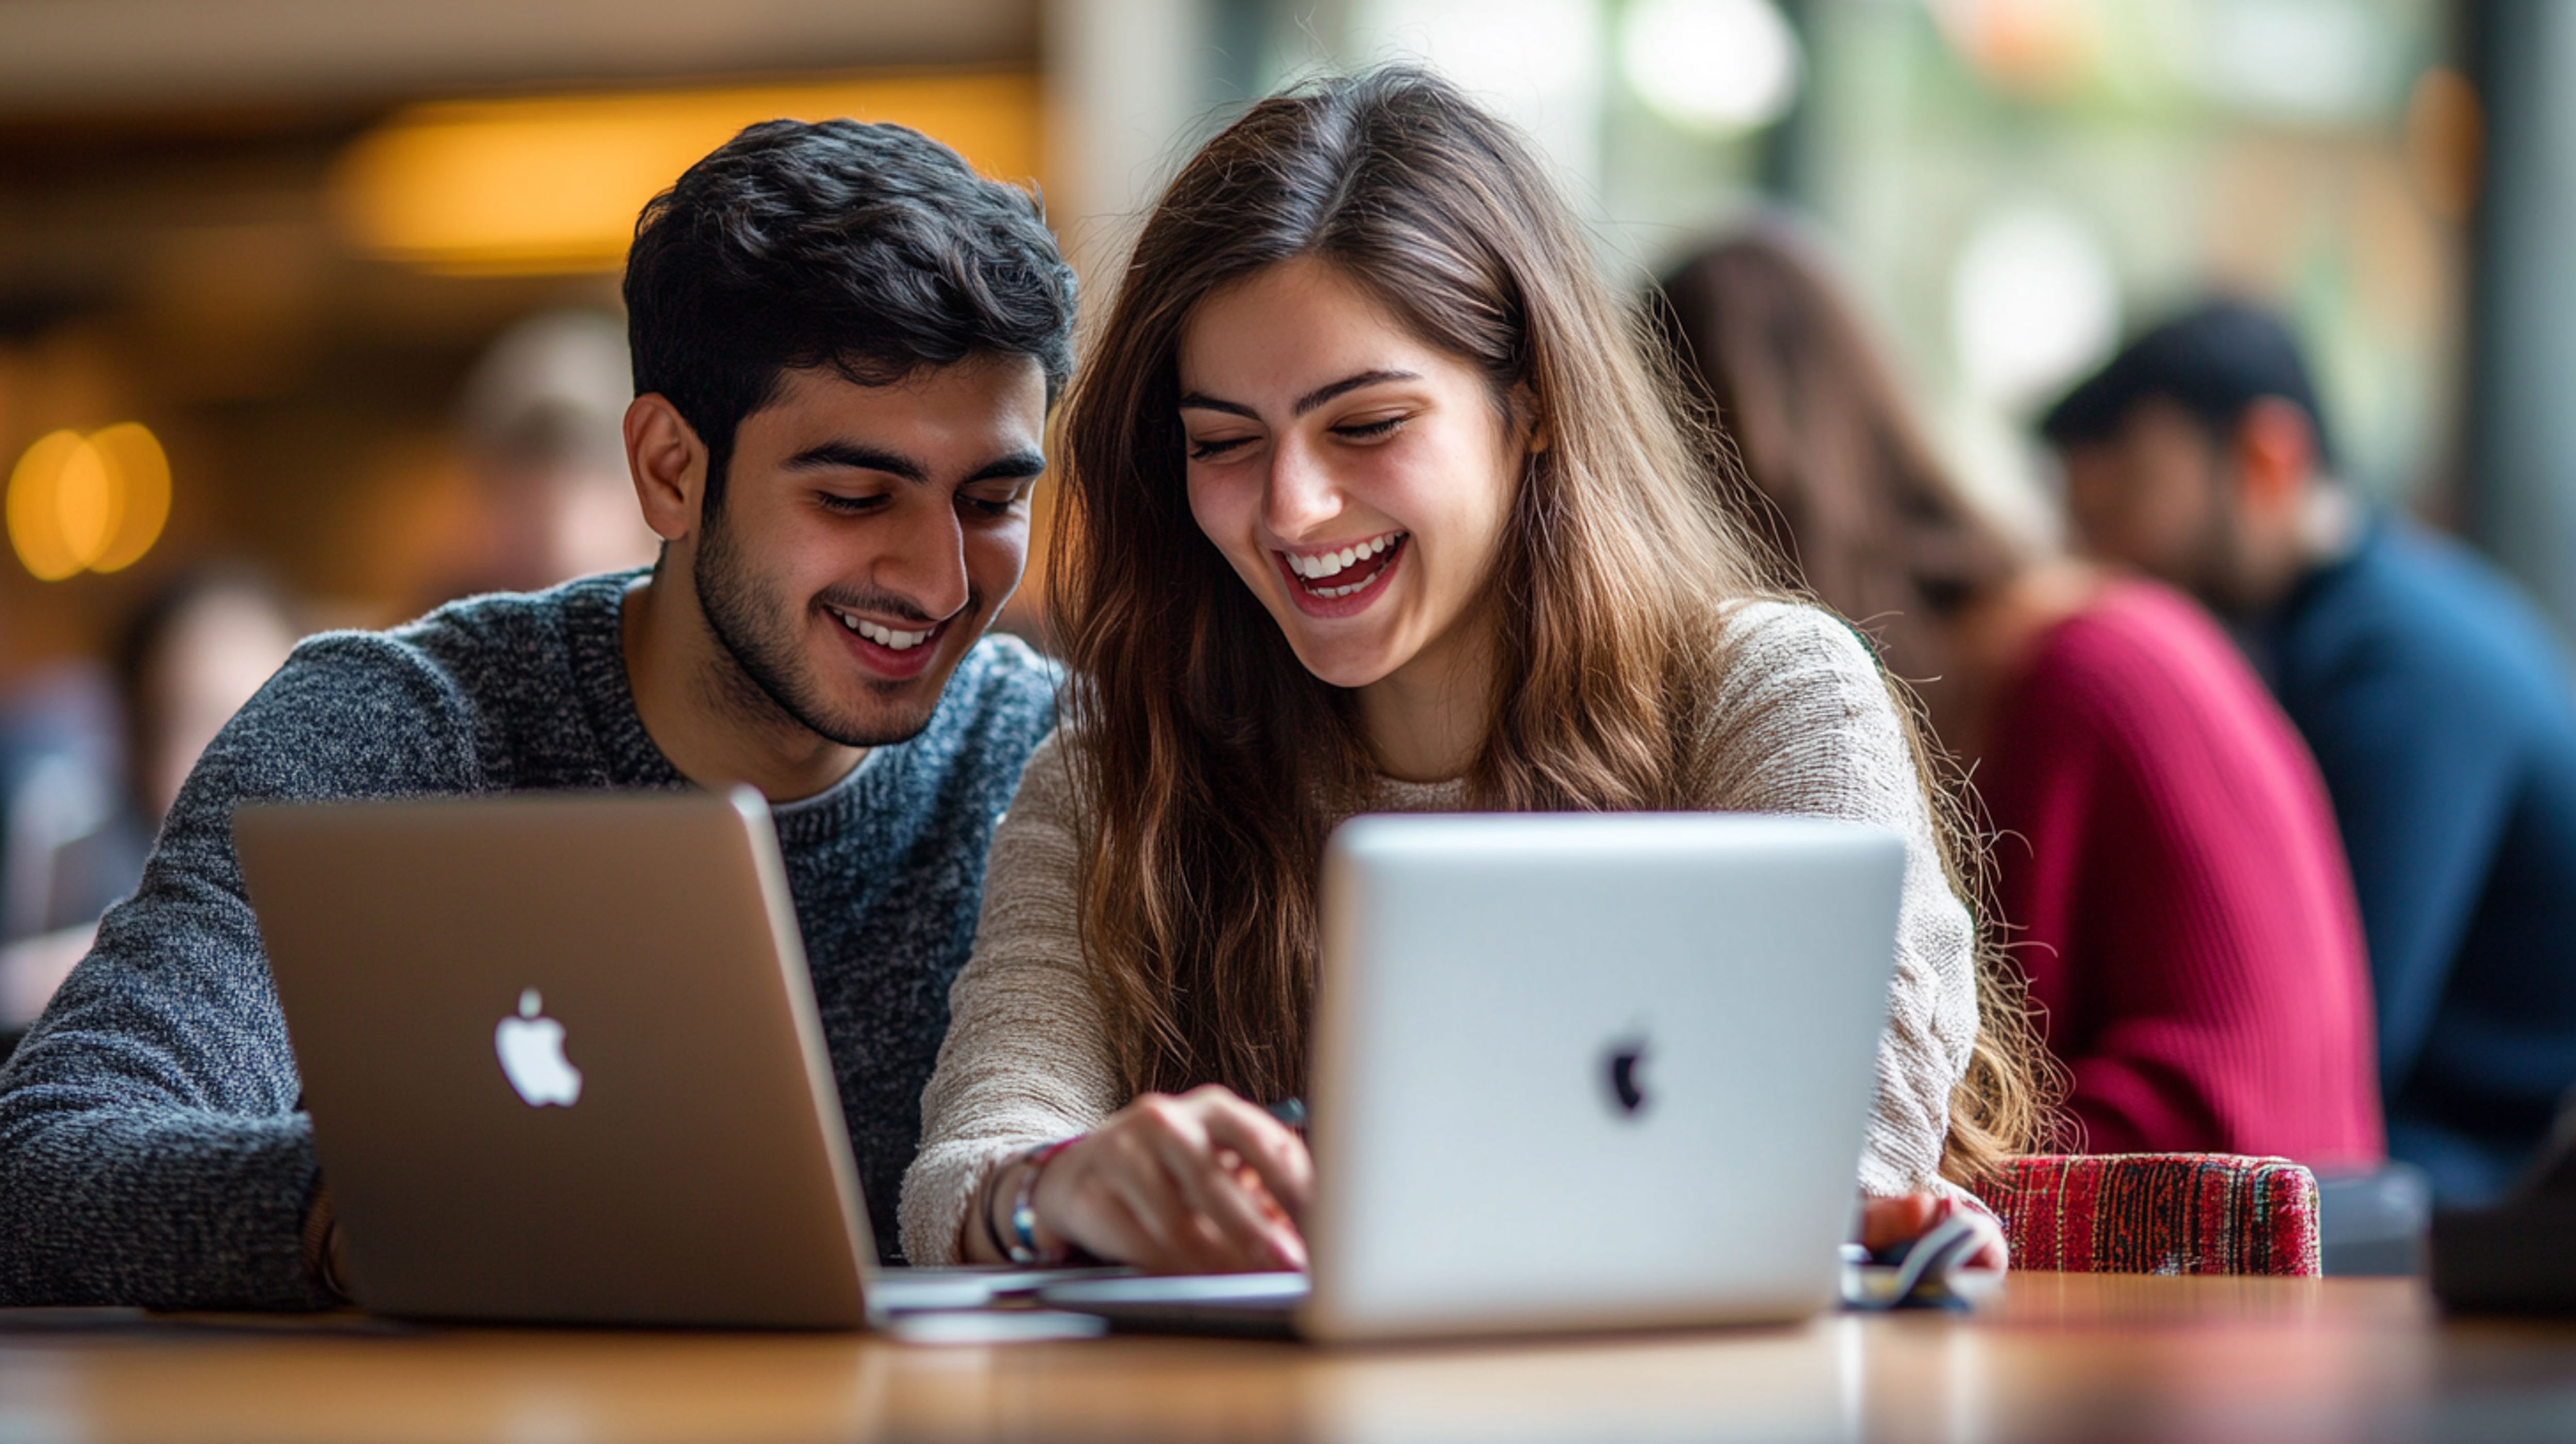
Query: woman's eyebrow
[1322, 394]
[1196, 401]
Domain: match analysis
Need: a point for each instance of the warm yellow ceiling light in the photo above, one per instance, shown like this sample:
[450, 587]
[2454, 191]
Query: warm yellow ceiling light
[538, 186]
[88, 503]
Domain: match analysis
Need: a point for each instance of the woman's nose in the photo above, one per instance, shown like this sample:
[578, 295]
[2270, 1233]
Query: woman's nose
[1299, 495]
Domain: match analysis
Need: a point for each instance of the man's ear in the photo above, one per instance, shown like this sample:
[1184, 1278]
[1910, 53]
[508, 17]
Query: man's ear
[668, 464]
[2276, 455]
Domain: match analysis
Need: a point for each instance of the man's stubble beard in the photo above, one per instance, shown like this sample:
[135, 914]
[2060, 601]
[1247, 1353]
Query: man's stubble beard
[2218, 565]
[768, 676]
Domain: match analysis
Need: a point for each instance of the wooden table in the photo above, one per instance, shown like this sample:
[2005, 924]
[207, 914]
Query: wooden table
[2059, 1357]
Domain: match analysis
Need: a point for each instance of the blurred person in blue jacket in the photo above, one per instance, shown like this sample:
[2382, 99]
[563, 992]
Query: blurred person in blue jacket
[67, 846]
[2436, 697]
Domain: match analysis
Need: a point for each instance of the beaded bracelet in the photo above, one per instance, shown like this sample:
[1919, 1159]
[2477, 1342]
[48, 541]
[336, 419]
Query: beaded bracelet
[1023, 1247]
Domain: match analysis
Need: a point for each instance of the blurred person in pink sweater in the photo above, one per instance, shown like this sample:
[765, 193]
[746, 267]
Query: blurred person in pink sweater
[2167, 862]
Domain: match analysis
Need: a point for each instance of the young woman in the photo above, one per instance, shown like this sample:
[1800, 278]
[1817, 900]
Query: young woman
[2167, 858]
[1373, 503]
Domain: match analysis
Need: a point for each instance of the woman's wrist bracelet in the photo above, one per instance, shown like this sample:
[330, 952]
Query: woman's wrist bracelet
[1021, 1247]
[985, 1196]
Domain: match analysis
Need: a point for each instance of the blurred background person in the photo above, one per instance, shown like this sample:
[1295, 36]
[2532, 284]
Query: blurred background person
[190, 657]
[542, 419]
[2167, 867]
[67, 848]
[188, 661]
[2435, 696]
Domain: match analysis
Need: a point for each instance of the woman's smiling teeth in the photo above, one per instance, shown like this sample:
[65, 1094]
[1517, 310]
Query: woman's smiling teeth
[1315, 568]
[886, 637]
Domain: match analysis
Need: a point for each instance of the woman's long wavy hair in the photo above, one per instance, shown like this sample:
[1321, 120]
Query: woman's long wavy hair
[1208, 761]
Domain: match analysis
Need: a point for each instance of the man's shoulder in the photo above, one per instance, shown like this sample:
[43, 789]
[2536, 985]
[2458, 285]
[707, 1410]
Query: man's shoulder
[507, 650]
[502, 630]
[333, 672]
[2415, 602]
[462, 636]
[453, 674]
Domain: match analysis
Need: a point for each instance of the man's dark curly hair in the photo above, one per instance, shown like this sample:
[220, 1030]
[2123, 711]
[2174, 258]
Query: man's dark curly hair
[870, 248]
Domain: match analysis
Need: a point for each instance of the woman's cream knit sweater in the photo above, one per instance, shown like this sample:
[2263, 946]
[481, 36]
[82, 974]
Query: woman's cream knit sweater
[1802, 724]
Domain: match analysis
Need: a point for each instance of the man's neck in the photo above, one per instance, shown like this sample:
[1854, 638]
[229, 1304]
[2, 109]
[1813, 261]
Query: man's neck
[710, 720]
[2326, 526]
[2330, 525]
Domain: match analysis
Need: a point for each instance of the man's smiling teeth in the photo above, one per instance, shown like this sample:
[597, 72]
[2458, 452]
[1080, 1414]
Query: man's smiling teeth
[886, 637]
[1332, 563]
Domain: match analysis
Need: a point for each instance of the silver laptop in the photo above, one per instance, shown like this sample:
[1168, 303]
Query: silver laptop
[562, 1058]
[1576, 1072]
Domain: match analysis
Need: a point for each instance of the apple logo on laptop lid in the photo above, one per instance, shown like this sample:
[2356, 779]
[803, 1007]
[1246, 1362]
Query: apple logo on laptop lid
[1626, 1060]
[532, 1056]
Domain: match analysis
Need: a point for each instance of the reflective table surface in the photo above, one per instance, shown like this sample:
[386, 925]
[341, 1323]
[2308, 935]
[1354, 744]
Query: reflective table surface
[2056, 1357]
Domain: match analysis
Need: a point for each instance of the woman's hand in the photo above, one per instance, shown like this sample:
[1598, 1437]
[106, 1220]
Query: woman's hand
[1199, 1183]
[1887, 1222]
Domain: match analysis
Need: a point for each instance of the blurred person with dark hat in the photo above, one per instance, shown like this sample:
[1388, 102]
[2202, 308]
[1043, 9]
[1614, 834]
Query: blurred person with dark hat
[2435, 696]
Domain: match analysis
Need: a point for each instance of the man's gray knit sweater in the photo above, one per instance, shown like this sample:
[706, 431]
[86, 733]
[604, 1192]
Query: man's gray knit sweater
[151, 1147]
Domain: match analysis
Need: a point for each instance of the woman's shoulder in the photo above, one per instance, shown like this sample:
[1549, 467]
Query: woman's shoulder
[2139, 645]
[1798, 710]
[1788, 622]
[1046, 784]
[2133, 620]
[1774, 645]
[2145, 680]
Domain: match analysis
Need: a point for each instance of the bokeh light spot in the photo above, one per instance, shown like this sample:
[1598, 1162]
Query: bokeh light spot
[2034, 300]
[35, 506]
[133, 456]
[85, 503]
[82, 503]
[1717, 66]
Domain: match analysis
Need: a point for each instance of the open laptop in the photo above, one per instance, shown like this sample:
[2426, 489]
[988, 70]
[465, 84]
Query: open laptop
[1575, 1072]
[563, 1061]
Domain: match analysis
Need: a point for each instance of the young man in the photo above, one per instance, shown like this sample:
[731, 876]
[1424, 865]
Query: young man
[846, 344]
[2434, 695]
